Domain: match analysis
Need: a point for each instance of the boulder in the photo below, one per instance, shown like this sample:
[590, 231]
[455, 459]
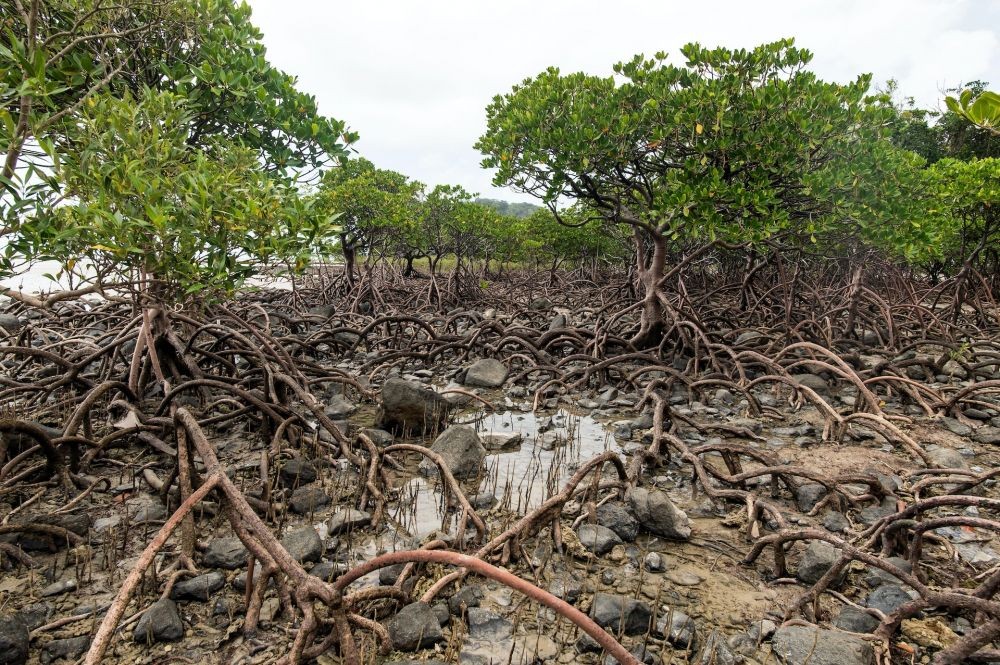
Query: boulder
[616, 516]
[799, 645]
[461, 450]
[408, 407]
[160, 623]
[658, 515]
[414, 627]
[486, 373]
[13, 640]
[620, 613]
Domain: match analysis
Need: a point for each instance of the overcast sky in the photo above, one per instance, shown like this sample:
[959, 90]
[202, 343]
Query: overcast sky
[414, 77]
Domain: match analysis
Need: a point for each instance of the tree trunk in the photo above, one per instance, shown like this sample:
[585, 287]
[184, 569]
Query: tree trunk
[652, 325]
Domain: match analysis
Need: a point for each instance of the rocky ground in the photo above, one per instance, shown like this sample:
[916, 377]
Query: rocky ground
[662, 565]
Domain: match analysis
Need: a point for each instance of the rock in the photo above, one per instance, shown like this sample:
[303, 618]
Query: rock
[486, 373]
[872, 514]
[379, 437]
[540, 304]
[747, 337]
[467, 597]
[887, 598]
[461, 450]
[296, 472]
[440, 610]
[484, 501]
[388, 575]
[799, 645]
[558, 321]
[854, 620]
[946, 458]
[146, 508]
[716, 651]
[835, 522]
[198, 588]
[654, 563]
[658, 515]
[414, 627]
[989, 435]
[620, 613]
[497, 441]
[818, 558]
[956, 427]
[346, 520]
[305, 500]
[684, 578]
[929, 633]
[227, 553]
[567, 588]
[58, 588]
[817, 383]
[408, 407]
[13, 640]
[303, 544]
[876, 577]
[761, 630]
[11, 323]
[339, 408]
[328, 571]
[808, 495]
[160, 623]
[616, 516]
[598, 539]
[677, 628]
[69, 648]
[488, 625]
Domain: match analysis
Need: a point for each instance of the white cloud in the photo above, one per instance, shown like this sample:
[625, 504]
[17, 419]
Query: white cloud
[414, 76]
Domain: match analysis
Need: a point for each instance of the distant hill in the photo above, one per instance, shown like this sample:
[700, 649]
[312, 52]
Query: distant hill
[511, 208]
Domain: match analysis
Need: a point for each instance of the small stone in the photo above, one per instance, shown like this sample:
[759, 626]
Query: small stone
[598, 539]
[684, 578]
[654, 562]
[488, 625]
[956, 427]
[808, 495]
[887, 598]
[58, 588]
[486, 373]
[461, 450]
[616, 516]
[658, 515]
[499, 441]
[305, 500]
[818, 558]
[160, 623]
[346, 520]
[198, 588]
[69, 648]
[328, 571]
[854, 620]
[567, 588]
[484, 501]
[303, 544]
[467, 597]
[339, 408]
[835, 522]
[716, 651]
[677, 628]
[620, 613]
[988, 435]
[228, 553]
[297, 471]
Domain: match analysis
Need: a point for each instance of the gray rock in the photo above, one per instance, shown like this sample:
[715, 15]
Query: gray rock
[567, 588]
[835, 522]
[761, 630]
[306, 500]
[989, 435]
[339, 408]
[348, 519]
[716, 651]
[677, 628]
[461, 450]
[160, 623]
[496, 441]
[872, 514]
[146, 508]
[799, 645]
[408, 407]
[328, 571]
[69, 648]
[467, 597]
[378, 436]
[854, 620]
[414, 627]
[540, 304]
[598, 539]
[484, 501]
[296, 472]
[887, 598]
[303, 544]
[13, 640]
[956, 427]
[486, 373]
[658, 515]
[58, 588]
[876, 577]
[946, 458]
[11, 323]
[616, 516]
[440, 610]
[808, 495]
[198, 588]
[620, 613]
[654, 563]
[558, 321]
[488, 625]
[817, 383]
[818, 558]
[227, 553]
